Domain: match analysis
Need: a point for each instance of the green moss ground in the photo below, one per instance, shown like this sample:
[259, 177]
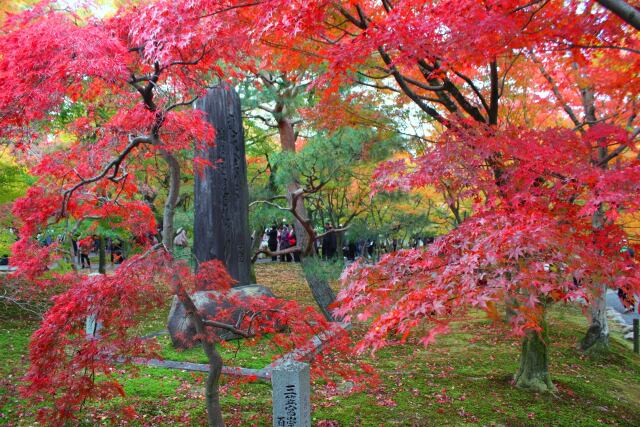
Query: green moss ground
[463, 379]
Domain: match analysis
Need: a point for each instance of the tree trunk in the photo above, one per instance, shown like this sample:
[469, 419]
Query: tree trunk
[255, 246]
[509, 311]
[302, 237]
[596, 340]
[212, 391]
[172, 199]
[102, 257]
[288, 143]
[320, 289]
[624, 10]
[319, 285]
[533, 373]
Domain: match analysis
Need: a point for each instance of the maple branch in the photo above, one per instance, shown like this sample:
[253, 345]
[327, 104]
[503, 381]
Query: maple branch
[382, 87]
[139, 79]
[23, 305]
[329, 41]
[506, 72]
[340, 28]
[295, 49]
[634, 114]
[556, 92]
[114, 164]
[524, 6]
[229, 8]
[495, 95]
[226, 327]
[361, 14]
[612, 155]
[434, 88]
[426, 70]
[474, 89]
[624, 10]
[181, 104]
[192, 62]
[407, 90]
[147, 91]
[453, 90]
[603, 46]
[360, 24]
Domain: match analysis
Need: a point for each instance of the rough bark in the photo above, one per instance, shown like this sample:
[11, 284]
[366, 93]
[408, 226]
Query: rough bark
[221, 194]
[168, 231]
[212, 390]
[596, 340]
[509, 311]
[102, 257]
[288, 143]
[533, 373]
[320, 289]
[624, 10]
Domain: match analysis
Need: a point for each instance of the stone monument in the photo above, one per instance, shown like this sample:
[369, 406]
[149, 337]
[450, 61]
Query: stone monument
[291, 394]
[221, 225]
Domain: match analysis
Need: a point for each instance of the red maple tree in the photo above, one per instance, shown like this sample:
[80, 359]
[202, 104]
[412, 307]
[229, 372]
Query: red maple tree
[503, 84]
[132, 78]
[546, 195]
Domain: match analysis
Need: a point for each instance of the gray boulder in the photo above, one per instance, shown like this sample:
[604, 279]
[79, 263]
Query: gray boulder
[183, 331]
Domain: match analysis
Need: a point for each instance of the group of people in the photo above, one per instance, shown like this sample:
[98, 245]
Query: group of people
[281, 238]
[84, 247]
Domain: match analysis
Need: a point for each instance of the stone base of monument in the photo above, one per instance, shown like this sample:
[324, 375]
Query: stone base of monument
[182, 330]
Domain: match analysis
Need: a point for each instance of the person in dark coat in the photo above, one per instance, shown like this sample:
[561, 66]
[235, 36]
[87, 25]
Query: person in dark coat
[329, 243]
[284, 243]
[272, 241]
[351, 251]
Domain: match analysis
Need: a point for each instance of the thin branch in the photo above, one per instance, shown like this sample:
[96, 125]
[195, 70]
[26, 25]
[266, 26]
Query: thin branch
[181, 104]
[226, 327]
[114, 164]
[556, 92]
[227, 9]
[612, 155]
[266, 202]
[474, 89]
[603, 46]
